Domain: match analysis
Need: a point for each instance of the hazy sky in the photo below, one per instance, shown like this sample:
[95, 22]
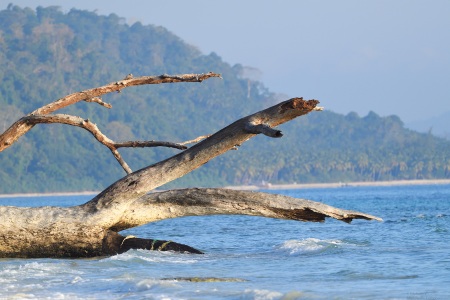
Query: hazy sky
[389, 56]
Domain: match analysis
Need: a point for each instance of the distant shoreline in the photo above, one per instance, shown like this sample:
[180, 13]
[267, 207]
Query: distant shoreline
[340, 184]
[292, 186]
[24, 195]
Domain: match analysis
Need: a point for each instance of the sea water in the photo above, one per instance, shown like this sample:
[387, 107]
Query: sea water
[407, 256]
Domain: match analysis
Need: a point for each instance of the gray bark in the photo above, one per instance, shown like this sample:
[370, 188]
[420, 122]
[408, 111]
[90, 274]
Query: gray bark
[92, 229]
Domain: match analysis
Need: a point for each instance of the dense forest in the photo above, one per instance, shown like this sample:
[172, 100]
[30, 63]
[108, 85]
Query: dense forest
[46, 54]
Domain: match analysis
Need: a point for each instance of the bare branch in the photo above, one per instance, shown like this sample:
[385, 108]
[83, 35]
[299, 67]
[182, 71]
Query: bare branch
[119, 85]
[196, 140]
[99, 136]
[143, 144]
[121, 160]
[20, 127]
[152, 244]
[264, 129]
[98, 100]
[141, 182]
[198, 202]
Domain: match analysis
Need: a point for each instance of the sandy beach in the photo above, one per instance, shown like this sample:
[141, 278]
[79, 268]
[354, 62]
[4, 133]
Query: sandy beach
[269, 186]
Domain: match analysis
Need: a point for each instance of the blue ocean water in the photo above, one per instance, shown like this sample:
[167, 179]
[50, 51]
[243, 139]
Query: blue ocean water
[405, 257]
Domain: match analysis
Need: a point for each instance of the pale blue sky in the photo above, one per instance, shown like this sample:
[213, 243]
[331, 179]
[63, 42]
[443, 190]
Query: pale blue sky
[389, 56]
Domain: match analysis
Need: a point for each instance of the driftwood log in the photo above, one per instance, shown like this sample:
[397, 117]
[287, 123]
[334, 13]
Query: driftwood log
[92, 229]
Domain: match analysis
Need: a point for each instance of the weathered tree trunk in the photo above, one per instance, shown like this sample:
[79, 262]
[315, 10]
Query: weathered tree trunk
[92, 229]
[89, 230]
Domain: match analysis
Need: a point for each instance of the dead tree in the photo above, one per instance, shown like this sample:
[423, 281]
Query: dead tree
[92, 229]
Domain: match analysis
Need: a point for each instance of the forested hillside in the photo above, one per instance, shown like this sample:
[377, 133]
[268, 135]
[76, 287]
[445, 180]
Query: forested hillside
[46, 54]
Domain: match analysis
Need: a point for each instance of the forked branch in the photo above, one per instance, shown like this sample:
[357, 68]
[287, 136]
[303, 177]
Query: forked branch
[139, 183]
[118, 86]
[44, 114]
[102, 138]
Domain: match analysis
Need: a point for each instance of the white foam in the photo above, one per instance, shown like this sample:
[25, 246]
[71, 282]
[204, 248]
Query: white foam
[258, 294]
[13, 272]
[147, 284]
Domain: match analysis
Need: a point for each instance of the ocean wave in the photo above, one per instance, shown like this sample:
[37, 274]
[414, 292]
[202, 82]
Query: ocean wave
[310, 246]
[33, 279]
[36, 270]
[58, 295]
[353, 275]
[415, 218]
[263, 294]
[153, 256]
